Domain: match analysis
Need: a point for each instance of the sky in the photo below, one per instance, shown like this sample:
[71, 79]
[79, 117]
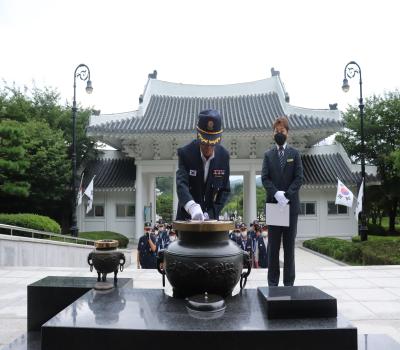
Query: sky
[208, 42]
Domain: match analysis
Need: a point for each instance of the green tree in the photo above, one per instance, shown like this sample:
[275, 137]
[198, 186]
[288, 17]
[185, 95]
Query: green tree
[44, 129]
[164, 206]
[47, 153]
[164, 184]
[382, 138]
[13, 163]
[261, 196]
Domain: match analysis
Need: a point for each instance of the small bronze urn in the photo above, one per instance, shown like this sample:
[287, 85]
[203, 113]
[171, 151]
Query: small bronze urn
[106, 259]
[203, 260]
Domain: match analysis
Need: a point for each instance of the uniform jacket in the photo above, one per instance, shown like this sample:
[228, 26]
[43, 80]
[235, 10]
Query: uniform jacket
[289, 179]
[245, 244]
[262, 253]
[211, 195]
[147, 257]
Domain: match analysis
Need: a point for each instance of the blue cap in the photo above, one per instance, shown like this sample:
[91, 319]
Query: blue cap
[209, 127]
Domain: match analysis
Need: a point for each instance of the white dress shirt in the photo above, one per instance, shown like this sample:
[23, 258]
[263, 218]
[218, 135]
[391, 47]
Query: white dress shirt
[206, 164]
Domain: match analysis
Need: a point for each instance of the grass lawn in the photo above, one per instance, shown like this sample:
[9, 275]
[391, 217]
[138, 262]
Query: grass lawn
[378, 250]
[385, 223]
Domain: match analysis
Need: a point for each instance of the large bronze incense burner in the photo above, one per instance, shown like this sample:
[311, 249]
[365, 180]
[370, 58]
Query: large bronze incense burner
[203, 260]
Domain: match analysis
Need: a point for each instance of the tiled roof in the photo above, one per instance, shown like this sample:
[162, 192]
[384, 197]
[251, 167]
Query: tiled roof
[321, 169]
[179, 114]
[111, 173]
[324, 169]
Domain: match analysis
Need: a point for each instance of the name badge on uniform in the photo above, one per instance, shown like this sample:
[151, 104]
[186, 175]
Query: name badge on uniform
[193, 172]
[218, 172]
[290, 160]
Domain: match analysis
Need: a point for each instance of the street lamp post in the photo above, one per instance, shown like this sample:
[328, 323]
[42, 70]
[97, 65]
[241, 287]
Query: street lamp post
[82, 72]
[350, 70]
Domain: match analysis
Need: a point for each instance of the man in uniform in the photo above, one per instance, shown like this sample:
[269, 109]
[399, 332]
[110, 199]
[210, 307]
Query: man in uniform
[282, 177]
[202, 178]
[235, 234]
[244, 241]
[163, 237]
[146, 254]
[261, 254]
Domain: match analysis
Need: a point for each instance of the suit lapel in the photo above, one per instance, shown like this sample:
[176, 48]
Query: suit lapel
[200, 166]
[210, 171]
[287, 153]
[276, 159]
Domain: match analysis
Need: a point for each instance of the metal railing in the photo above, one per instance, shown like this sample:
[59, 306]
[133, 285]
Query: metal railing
[31, 233]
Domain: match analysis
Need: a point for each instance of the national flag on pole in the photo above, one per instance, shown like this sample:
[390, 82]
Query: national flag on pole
[80, 192]
[89, 193]
[344, 196]
[359, 207]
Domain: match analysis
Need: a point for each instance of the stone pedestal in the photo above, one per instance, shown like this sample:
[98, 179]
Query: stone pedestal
[149, 319]
[48, 296]
[297, 302]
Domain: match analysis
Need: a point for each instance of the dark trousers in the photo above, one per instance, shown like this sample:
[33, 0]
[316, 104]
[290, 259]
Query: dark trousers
[288, 234]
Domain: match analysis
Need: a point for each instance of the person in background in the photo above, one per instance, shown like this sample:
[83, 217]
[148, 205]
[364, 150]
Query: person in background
[254, 245]
[235, 234]
[253, 228]
[163, 237]
[262, 248]
[172, 237]
[147, 248]
[243, 241]
[282, 177]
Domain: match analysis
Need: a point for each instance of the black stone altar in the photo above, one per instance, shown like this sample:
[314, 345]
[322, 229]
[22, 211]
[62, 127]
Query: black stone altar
[31, 341]
[150, 319]
[50, 295]
[297, 302]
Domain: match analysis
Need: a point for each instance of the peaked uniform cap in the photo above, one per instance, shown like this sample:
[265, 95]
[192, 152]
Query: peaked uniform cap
[209, 126]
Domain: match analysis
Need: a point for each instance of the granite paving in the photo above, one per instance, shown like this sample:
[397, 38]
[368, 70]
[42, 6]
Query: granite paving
[368, 296]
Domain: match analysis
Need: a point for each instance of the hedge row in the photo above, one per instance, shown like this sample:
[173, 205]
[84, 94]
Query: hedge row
[33, 221]
[376, 251]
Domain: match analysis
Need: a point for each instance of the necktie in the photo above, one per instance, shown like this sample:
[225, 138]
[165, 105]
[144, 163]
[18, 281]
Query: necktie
[281, 156]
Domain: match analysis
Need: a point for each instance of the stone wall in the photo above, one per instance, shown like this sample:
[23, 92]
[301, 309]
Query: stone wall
[23, 251]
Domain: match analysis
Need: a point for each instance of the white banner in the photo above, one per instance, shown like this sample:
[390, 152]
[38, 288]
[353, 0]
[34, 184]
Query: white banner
[359, 200]
[89, 193]
[80, 192]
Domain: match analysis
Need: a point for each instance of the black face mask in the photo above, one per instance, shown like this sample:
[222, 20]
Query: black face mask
[280, 138]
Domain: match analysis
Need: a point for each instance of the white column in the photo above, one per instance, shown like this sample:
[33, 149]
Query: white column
[246, 216]
[152, 196]
[174, 193]
[252, 199]
[139, 202]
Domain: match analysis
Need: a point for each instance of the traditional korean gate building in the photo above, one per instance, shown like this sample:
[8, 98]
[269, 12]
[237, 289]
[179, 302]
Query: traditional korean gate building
[147, 140]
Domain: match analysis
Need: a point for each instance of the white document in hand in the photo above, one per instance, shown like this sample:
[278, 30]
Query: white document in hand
[276, 214]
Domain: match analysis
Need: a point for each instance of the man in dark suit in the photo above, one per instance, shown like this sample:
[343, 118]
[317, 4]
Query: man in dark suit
[282, 177]
[202, 178]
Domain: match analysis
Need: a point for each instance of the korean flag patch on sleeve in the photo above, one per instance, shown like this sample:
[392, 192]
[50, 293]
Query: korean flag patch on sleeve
[192, 172]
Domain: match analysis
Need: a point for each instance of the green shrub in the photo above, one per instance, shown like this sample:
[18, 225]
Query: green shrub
[377, 250]
[338, 249]
[33, 221]
[96, 235]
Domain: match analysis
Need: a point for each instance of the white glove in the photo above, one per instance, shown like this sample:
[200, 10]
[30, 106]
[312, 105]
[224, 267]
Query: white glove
[206, 217]
[280, 197]
[195, 212]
